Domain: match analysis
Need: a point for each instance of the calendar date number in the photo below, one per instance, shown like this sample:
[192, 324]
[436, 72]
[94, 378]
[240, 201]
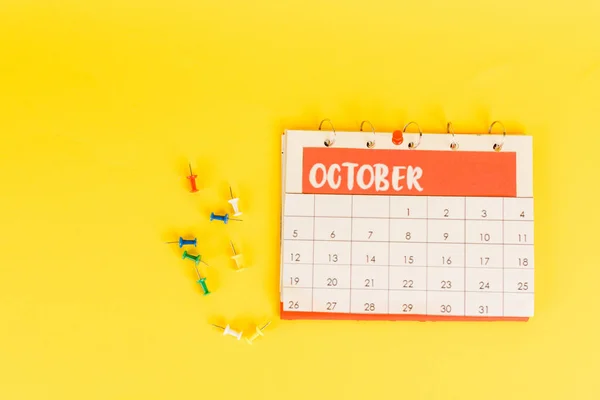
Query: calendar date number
[369, 307]
[445, 308]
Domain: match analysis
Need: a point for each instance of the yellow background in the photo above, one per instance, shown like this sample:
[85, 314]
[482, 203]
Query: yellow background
[102, 104]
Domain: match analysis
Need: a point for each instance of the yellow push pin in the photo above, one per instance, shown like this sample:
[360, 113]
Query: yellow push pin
[238, 258]
[257, 333]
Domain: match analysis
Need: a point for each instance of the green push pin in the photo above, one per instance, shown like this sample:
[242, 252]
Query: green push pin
[197, 259]
[201, 281]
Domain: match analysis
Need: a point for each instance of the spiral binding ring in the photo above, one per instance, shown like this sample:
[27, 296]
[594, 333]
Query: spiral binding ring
[328, 142]
[450, 130]
[498, 146]
[370, 143]
[412, 145]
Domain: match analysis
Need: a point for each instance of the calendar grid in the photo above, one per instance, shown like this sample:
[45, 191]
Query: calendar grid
[478, 231]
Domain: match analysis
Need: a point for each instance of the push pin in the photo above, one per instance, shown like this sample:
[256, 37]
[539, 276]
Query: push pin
[192, 179]
[234, 204]
[397, 138]
[228, 331]
[224, 218]
[257, 333]
[197, 259]
[238, 258]
[201, 281]
[184, 242]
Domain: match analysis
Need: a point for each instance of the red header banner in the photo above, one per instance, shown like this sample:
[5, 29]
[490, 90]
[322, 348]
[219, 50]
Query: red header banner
[409, 172]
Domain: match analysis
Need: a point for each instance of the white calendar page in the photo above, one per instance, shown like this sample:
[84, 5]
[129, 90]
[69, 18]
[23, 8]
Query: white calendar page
[397, 233]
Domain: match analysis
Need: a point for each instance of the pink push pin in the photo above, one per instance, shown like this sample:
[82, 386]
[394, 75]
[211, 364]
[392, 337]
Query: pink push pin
[192, 179]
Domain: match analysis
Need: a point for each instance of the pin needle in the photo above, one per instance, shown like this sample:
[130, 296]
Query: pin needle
[265, 325]
[197, 272]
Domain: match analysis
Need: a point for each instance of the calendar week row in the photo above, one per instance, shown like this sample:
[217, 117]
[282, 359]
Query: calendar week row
[408, 254]
[409, 278]
[401, 302]
[407, 230]
[409, 207]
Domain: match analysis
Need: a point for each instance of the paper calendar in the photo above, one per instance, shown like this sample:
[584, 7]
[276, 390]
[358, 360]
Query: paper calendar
[391, 232]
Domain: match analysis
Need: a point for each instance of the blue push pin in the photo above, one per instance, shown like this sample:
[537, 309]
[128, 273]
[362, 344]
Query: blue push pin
[223, 218]
[184, 242]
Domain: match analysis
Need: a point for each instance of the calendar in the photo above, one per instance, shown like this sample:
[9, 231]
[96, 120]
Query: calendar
[371, 230]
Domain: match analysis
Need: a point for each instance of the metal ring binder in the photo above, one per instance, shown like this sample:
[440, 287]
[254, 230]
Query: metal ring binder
[450, 130]
[498, 146]
[412, 145]
[370, 143]
[328, 142]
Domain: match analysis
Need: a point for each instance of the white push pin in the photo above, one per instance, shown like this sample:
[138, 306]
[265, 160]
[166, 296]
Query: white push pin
[258, 332]
[231, 332]
[234, 204]
[238, 258]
